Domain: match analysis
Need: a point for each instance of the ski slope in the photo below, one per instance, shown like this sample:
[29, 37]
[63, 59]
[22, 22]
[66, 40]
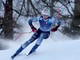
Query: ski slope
[56, 47]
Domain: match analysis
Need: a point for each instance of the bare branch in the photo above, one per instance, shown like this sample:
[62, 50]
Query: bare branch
[34, 7]
[21, 8]
[66, 8]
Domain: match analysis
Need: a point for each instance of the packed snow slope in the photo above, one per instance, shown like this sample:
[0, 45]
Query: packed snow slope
[56, 47]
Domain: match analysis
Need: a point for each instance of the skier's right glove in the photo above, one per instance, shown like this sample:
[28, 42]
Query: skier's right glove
[33, 29]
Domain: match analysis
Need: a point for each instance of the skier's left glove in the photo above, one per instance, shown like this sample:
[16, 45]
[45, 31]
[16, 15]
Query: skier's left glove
[55, 29]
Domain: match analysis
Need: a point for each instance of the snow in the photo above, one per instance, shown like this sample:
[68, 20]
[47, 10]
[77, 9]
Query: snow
[56, 47]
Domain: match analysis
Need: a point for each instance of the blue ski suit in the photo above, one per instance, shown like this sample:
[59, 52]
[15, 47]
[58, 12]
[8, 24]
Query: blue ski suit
[42, 33]
[44, 30]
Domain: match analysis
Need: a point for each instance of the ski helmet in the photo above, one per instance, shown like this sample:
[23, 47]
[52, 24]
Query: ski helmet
[45, 11]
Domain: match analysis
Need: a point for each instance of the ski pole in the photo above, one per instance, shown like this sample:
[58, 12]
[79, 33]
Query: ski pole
[58, 11]
[22, 34]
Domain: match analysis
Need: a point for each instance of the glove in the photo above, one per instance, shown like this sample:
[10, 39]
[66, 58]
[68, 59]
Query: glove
[54, 29]
[33, 29]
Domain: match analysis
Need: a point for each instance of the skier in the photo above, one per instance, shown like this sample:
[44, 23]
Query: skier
[46, 22]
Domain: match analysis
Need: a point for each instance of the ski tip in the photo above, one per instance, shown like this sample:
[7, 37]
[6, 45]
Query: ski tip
[29, 52]
[12, 57]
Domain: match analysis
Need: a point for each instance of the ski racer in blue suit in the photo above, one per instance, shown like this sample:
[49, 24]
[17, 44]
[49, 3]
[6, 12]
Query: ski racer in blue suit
[43, 32]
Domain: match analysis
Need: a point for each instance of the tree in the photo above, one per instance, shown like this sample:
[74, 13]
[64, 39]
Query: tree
[76, 18]
[0, 3]
[51, 7]
[8, 19]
